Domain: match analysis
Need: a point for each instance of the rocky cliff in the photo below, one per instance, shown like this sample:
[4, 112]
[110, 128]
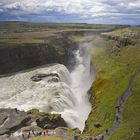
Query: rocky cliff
[30, 119]
[57, 49]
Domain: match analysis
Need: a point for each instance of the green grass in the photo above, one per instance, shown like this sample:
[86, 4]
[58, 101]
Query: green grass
[35, 33]
[76, 37]
[47, 138]
[114, 67]
[131, 115]
[20, 27]
[81, 38]
[21, 40]
[134, 136]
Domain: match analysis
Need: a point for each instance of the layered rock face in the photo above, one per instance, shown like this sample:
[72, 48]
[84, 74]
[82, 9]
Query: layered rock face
[120, 42]
[57, 49]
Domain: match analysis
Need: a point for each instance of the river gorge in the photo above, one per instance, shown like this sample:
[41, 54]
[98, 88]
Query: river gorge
[69, 81]
[53, 88]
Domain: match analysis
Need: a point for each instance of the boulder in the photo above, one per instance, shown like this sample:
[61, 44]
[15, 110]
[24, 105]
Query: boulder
[40, 76]
[51, 122]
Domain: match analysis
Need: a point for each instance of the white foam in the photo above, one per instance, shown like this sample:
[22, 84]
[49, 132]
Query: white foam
[68, 96]
[19, 91]
[81, 82]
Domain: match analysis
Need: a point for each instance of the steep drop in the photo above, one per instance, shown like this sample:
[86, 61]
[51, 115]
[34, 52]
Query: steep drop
[52, 89]
[82, 79]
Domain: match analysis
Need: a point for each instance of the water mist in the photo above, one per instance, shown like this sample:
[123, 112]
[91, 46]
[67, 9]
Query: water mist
[59, 91]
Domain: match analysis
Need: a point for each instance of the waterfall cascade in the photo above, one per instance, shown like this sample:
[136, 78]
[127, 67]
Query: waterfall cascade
[52, 89]
[82, 79]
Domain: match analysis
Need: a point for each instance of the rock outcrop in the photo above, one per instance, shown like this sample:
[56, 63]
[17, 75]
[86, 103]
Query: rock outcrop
[120, 41]
[40, 76]
[12, 120]
[51, 123]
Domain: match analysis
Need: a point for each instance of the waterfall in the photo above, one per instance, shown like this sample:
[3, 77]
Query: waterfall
[52, 89]
[82, 79]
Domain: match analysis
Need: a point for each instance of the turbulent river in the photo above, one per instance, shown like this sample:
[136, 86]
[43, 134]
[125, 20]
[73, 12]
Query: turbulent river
[52, 88]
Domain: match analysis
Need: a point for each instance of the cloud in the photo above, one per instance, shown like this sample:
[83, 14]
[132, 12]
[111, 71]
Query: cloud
[85, 10]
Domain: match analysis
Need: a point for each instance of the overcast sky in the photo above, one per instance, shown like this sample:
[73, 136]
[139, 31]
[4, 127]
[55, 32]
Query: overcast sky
[86, 11]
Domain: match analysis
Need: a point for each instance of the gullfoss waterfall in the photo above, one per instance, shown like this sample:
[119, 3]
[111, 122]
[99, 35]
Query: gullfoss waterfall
[52, 89]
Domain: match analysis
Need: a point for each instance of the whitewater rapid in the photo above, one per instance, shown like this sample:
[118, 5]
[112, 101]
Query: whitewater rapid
[52, 89]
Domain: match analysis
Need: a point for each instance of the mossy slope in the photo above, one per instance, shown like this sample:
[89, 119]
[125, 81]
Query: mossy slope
[114, 68]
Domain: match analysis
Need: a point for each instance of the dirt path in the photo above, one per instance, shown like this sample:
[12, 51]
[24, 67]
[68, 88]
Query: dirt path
[119, 110]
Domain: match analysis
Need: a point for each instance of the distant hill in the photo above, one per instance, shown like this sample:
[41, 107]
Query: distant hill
[15, 26]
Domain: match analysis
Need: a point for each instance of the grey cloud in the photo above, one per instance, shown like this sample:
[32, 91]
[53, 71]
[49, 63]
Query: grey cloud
[122, 10]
